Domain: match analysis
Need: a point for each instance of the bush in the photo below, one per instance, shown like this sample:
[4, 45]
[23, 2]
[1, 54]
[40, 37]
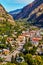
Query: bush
[23, 63]
[1, 59]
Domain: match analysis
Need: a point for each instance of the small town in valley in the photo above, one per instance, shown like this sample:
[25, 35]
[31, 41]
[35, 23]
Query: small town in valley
[21, 32]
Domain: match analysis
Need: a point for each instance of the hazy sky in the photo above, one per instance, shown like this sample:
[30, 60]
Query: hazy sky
[14, 4]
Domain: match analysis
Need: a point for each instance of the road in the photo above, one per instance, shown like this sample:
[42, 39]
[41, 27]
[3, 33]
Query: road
[17, 51]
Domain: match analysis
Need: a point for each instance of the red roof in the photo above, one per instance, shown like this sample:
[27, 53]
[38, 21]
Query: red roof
[36, 39]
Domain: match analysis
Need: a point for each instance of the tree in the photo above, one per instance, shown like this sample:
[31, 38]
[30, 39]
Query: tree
[1, 59]
[3, 40]
[23, 63]
[39, 60]
[9, 63]
[28, 59]
[33, 50]
[12, 59]
[10, 47]
[21, 54]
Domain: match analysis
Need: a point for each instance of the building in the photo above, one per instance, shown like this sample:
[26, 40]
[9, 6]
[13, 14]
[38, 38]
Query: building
[5, 51]
[35, 40]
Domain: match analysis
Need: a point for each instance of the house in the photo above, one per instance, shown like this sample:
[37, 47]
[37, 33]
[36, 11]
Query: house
[38, 33]
[0, 51]
[32, 33]
[41, 46]
[41, 33]
[23, 32]
[5, 35]
[9, 39]
[20, 39]
[5, 51]
[39, 51]
[26, 35]
[23, 37]
[35, 40]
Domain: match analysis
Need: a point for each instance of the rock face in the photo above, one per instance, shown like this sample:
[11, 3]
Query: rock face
[4, 16]
[36, 12]
[25, 12]
[37, 16]
[39, 21]
[32, 12]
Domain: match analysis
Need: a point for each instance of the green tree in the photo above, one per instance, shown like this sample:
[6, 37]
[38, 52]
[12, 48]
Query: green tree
[28, 59]
[33, 50]
[12, 59]
[23, 63]
[39, 60]
[10, 47]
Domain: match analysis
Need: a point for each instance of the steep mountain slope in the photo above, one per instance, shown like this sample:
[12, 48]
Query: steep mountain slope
[4, 16]
[32, 12]
[39, 21]
[26, 11]
[37, 16]
[36, 12]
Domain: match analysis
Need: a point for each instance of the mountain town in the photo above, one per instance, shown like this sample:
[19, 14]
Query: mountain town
[21, 35]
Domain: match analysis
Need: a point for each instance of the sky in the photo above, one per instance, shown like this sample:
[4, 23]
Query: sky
[11, 5]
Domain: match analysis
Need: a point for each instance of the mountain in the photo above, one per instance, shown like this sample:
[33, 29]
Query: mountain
[4, 16]
[32, 12]
[26, 11]
[37, 16]
[39, 21]
[14, 12]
